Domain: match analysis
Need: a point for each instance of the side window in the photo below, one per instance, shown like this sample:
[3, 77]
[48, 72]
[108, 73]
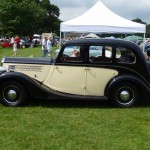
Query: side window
[125, 55]
[72, 54]
[100, 54]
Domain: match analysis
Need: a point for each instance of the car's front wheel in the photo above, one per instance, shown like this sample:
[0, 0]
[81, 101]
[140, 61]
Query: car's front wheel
[125, 95]
[12, 93]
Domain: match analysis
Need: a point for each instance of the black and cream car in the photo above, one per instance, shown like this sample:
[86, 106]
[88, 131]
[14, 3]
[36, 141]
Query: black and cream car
[120, 77]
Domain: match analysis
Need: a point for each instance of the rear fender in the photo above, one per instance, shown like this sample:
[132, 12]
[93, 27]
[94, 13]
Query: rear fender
[141, 84]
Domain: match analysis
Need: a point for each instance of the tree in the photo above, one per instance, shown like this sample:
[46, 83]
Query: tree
[148, 30]
[20, 16]
[50, 21]
[26, 17]
[139, 21]
[147, 26]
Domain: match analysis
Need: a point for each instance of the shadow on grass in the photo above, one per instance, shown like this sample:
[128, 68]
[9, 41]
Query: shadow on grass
[59, 103]
[70, 103]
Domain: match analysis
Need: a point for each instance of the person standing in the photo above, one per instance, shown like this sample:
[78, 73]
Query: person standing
[17, 39]
[12, 41]
[49, 47]
[15, 48]
[44, 46]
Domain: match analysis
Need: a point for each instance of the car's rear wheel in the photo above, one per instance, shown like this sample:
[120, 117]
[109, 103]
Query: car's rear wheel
[12, 93]
[125, 94]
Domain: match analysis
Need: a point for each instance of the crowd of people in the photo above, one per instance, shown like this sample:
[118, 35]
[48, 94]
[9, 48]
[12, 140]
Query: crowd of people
[145, 47]
[16, 43]
[47, 43]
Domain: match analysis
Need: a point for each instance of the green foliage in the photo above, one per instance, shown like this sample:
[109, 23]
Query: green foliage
[25, 17]
[148, 31]
[139, 21]
[147, 26]
[50, 22]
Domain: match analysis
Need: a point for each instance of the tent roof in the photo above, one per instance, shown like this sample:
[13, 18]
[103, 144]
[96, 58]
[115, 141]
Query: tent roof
[91, 35]
[99, 19]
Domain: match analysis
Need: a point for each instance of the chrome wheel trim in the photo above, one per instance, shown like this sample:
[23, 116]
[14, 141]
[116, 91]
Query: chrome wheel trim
[125, 95]
[11, 94]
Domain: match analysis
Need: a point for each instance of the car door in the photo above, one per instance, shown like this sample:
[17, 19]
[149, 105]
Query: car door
[98, 74]
[68, 75]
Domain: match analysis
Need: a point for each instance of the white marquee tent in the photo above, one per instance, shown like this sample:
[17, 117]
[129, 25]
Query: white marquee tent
[91, 35]
[100, 19]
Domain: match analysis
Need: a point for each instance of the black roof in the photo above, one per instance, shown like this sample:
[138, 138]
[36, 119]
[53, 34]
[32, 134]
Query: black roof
[101, 40]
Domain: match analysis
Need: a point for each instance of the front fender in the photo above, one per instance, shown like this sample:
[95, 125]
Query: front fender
[32, 86]
[142, 84]
[2, 69]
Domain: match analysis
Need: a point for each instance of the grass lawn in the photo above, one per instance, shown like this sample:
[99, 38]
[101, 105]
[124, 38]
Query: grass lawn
[70, 125]
[24, 52]
[74, 126]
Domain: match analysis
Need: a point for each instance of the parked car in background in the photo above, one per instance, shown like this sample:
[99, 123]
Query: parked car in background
[123, 77]
[55, 40]
[27, 44]
[37, 39]
[6, 44]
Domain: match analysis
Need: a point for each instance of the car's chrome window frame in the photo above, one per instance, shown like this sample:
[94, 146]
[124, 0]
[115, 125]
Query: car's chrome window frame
[68, 58]
[103, 58]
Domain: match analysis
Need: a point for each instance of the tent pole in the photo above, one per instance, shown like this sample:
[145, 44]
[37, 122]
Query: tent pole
[144, 43]
[60, 40]
[64, 35]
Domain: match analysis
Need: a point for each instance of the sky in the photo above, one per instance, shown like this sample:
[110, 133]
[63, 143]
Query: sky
[129, 9]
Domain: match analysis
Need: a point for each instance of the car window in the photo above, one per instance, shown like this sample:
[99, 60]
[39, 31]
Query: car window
[100, 54]
[125, 55]
[72, 54]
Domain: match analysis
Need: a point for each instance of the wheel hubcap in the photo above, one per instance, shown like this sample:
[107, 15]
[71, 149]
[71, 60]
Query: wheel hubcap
[124, 95]
[12, 94]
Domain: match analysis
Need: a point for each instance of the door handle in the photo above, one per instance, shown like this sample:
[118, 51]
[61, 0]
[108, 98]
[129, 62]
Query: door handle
[87, 68]
[56, 67]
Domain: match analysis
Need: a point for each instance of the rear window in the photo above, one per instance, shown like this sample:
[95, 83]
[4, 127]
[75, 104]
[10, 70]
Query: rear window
[125, 55]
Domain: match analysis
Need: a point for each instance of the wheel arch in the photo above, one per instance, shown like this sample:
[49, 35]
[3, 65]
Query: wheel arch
[32, 87]
[13, 79]
[139, 83]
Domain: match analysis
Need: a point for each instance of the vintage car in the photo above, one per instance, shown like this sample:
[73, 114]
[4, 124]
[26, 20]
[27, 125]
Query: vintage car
[122, 77]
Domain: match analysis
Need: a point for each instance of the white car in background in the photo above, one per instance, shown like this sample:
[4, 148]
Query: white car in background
[37, 37]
